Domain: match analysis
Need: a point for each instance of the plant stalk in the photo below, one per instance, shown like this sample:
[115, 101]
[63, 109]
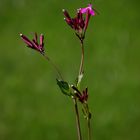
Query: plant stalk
[89, 129]
[77, 119]
[88, 117]
[53, 65]
[81, 69]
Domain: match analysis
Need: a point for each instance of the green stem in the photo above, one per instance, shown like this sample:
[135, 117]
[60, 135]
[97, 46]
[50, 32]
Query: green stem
[53, 64]
[88, 122]
[82, 58]
[87, 115]
[89, 129]
[77, 120]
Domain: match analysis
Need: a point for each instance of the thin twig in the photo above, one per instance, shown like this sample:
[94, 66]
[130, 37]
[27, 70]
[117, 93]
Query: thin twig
[53, 64]
[77, 120]
[82, 58]
[89, 129]
[88, 121]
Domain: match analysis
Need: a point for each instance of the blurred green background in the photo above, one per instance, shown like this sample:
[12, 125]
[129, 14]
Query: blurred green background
[31, 105]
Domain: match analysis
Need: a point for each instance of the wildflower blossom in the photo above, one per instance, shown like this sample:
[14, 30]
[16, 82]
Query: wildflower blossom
[83, 97]
[89, 12]
[76, 23]
[34, 42]
[88, 9]
[80, 22]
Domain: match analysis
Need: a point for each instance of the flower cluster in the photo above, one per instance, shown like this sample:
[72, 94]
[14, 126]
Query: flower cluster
[83, 97]
[34, 42]
[79, 23]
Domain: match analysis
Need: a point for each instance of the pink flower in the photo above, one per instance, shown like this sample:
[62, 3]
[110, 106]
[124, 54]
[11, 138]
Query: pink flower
[34, 42]
[80, 22]
[77, 23]
[88, 9]
[89, 12]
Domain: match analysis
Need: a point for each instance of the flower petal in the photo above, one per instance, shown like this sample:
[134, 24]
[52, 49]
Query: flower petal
[89, 8]
[26, 40]
[41, 40]
[66, 14]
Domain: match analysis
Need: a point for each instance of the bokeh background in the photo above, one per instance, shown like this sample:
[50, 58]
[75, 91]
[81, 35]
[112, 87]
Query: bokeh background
[32, 106]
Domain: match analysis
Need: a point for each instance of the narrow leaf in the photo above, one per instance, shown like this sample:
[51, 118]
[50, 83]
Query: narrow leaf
[64, 87]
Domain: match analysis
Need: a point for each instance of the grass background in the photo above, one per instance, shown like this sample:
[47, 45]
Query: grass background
[31, 105]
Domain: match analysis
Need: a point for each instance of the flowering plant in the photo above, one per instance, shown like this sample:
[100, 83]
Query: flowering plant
[79, 24]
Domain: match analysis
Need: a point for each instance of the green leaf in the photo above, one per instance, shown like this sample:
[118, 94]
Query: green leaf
[64, 87]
